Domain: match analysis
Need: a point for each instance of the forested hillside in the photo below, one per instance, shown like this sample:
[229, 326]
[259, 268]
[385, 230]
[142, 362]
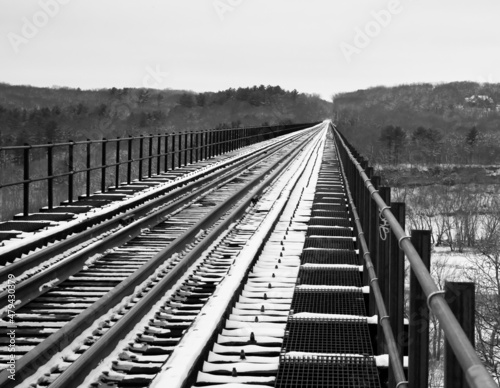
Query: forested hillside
[453, 123]
[39, 115]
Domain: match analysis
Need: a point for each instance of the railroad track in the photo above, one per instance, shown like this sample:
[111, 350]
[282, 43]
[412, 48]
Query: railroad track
[105, 213]
[300, 317]
[66, 298]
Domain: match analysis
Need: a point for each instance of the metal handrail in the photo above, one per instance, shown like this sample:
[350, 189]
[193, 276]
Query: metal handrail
[394, 356]
[97, 141]
[475, 372]
[167, 151]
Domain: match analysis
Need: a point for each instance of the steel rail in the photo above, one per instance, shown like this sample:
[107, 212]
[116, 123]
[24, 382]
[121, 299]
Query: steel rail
[29, 289]
[38, 356]
[202, 353]
[80, 369]
[85, 363]
[394, 355]
[475, 372]
[97, 225]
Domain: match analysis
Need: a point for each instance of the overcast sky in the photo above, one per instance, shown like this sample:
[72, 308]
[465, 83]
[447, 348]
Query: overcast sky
[315, 46]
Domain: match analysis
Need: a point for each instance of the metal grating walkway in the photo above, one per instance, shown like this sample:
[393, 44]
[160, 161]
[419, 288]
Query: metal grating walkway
[321, 348]
[300, 319]
[327, 372]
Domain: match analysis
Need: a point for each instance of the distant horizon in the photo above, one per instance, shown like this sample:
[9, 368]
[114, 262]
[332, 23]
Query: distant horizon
[236, 87]
[317, 46]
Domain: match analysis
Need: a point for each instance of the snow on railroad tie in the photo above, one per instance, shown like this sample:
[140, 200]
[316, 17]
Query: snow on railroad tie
[321, 315]
[141, 190]
[248, 347]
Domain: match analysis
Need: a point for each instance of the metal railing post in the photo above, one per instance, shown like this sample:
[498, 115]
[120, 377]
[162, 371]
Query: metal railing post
[185, 149]
[141, 155]
[88, 165]
[117, 169]
[191, 159]
[383, 251]
[71, 170]
[371, 237]
[418, 359]
[179, 151]
[166, 152]
[129, 157]
[50, 172]
[158, 155]
[384, 248]
[396, 281]
[150, 156]
[461, 299]
[211, 143]
[26, 178]
[103, 165]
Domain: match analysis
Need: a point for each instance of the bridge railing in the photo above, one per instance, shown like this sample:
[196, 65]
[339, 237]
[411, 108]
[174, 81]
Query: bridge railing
[366, 195]
[35, 176]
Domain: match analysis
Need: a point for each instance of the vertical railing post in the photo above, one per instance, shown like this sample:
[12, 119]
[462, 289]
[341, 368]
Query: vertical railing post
[166, 151]
[158, 155]
[210, 143]
[129, 157]
[191, 147]
[383, 250]
[220, 141]
[372, 238]
[50, 172]
[224, 140]
[364, 212]
[374, 223]
[141, 155]
[366, 202]
[227, 140]
[103, 165]
[117, 167]
[207, 134]
[71, 170]
[202, 145]
[26, 176]
[179, 157]
[89, 164]
[418, 360]
[185, 148]
[150, 156]
[461, 299]
[195, 147]
[397, 284]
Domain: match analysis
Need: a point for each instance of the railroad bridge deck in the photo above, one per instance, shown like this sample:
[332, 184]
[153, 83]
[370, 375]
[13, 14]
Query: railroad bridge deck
[268, 273]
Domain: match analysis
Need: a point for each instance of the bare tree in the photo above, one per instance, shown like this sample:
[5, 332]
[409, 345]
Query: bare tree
[485, 272]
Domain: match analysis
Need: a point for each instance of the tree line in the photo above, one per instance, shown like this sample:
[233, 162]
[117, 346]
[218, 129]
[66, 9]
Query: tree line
[456, 122]
[41, 115]
[427, 146]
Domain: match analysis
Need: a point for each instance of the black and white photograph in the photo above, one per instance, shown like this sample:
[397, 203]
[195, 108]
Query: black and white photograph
[249, 194]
